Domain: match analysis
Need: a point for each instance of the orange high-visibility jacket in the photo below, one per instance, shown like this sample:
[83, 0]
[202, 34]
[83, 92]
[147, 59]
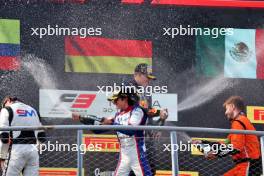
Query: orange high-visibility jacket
[248, 145]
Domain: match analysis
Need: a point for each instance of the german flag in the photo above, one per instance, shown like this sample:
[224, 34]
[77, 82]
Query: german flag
[9, 44]
[104, 55]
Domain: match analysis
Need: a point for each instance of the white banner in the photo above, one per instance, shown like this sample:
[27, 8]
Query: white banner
[61, 103]
[169, 101]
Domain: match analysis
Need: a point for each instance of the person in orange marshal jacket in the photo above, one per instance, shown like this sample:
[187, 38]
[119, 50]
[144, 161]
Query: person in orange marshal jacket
[246, 148]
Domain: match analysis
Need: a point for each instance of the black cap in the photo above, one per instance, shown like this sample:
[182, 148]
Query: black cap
[132, 95]
[145, 69]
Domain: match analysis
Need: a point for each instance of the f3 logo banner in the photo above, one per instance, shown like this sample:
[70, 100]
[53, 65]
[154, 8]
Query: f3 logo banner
[61, 103]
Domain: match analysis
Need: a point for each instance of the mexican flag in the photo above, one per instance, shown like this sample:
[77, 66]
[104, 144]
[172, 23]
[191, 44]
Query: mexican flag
[104, 55]
[9, 44]
[240, 55]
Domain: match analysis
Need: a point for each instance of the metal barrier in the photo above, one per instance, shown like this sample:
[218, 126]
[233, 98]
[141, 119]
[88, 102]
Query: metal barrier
[170, 162]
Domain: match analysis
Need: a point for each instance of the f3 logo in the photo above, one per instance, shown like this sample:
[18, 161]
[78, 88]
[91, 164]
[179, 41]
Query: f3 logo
[81, 101]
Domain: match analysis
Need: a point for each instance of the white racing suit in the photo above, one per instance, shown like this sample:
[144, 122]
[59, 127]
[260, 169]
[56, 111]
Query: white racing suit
[3, 154]
[23, 154]
[132, 146]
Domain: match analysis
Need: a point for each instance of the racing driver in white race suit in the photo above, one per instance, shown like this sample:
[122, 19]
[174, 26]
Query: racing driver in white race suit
[23, 154]
[132, 146]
